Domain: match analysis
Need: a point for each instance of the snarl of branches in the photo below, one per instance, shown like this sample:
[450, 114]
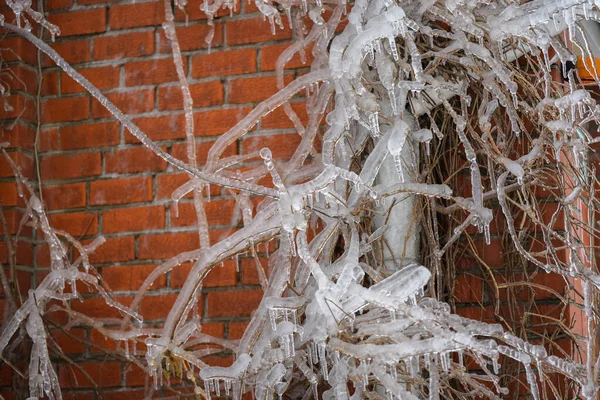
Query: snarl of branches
[442, 117]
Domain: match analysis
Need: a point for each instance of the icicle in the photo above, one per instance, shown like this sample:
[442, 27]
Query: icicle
[434, 383]
[533, 387]
[273, 318]
[374, 124]
[323, 360]
[393, 48]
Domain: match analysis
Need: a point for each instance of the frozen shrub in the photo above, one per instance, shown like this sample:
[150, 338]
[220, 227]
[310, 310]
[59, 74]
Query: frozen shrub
[407, 89]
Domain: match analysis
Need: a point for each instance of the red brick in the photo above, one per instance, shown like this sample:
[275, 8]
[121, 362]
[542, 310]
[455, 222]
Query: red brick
[78, 395]
[73, 51]
[216, 329]
[137, 14]
[204, 94]
[23, 161]
[93, 135]
[129, 102]
[68, 166]
[67, 343]
[24, 255]
[104, 374]
[179, 151]
[58, 4]
[102, 77]
[23, 107]
[91, 2]
[218, 212]
[23, 50]
[468, 289]
[134, 376]
[148, 72]
[282, 146]
[77, 224]
[216, 122]
[166, 245]
[80, 22]
[167, 183]
[48, 139]
[220, 275]
[65, 109]
[50, 83]
[130, 277]
[119, 191]
[233, 62]
[21, 136]
[192, 37]
[133, 219]
[547, 211]
[114, 250]
[42, 255]
[13, 219]
[8, 194]
[25, 78]
[253, 90]
[520, 286]
[162, 127]
[278, 119]
[250, 272]
[6, 372]
[237, 329]
[64, 196]
[269, 55]
[492, 255]
[135, 44]
[132, 160]
[193, 11]
[157, 307]
[8, 394]
[254, 30]
[232, 303]
[101, 343]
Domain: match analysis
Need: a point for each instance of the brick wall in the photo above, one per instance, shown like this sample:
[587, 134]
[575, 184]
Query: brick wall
[99, 180]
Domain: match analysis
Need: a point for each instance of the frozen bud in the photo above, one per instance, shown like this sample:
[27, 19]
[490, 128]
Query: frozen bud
[265, 153]
[423, 135]
[300, 221]
[315, 15]
[368, 103]
[287, 223]
[398, 137]
[35, 204]
[395, 14]
[354, 19]
[297, 202]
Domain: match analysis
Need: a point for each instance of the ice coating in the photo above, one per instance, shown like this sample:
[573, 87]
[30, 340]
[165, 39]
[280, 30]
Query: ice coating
[336, 313]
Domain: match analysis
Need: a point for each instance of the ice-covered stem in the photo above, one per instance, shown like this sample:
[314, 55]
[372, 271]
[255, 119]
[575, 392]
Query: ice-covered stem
[261, 228]
[171, 34]
[511, 224]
